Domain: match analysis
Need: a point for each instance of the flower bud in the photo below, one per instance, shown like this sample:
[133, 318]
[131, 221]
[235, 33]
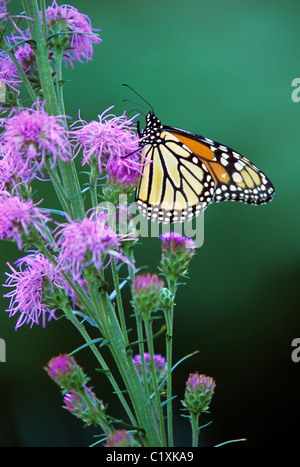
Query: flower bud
[177, 252]
[146, 294]
[160, 368]
[66, 373]
[166, 299]
[85, 406]
[198, 393]
[121, 438]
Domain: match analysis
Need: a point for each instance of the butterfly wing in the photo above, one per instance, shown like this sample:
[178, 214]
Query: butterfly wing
[185, 172]
[235, 177]
[176, 184]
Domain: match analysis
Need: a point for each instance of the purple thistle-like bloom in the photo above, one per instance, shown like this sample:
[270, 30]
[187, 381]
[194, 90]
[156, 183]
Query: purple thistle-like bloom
[77, 35]
[198, 393]
[17, 216]
[63, 365]
[4, 14]
[197, 382]
[65, 371]
[121, 438]
[176, 242]
[159, 361]
[88, 241]
[146, 294]
[177, 251]
[13, 170]
[147, 282]
[34, 135]
[35, 273]
[111, 141]
[9, 75]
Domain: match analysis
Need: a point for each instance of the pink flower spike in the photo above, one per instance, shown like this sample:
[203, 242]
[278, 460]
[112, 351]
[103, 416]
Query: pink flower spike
[88, 241]
[111, 142]
[26, 298]
[34, 135]
[78, 36]
[17, 216]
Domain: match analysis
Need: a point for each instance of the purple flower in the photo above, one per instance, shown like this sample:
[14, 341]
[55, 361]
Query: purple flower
[147, 283]
[65, 371]
[72, 32]
[146, 294]
[88, 241]
[197, 382]
[121, 438]
[13, 170]
[175, 242]
[159, 363]
[35, 135]
[111, 142]
[36, 274]
[198, 393]
[85, 406]
[18, 216]
[9, 75]
[60, 366]
[4, 14]
[122, 176]
[177, 251]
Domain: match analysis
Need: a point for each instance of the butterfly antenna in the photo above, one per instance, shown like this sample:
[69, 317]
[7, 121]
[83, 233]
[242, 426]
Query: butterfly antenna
[135, 92]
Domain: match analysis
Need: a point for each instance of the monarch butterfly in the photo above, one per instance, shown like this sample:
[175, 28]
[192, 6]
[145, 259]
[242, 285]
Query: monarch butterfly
[185, 172]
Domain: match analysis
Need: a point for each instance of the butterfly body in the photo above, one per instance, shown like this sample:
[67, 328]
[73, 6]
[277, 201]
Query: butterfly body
[185, 172]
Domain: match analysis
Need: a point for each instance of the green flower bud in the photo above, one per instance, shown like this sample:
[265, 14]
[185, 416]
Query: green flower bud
[198, 393]
[177, 251]
[66, 373]
[146, 294]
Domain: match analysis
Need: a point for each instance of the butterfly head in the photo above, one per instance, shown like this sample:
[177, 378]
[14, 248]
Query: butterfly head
[152, 130]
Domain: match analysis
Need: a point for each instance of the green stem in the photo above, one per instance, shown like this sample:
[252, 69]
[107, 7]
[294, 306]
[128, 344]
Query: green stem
[119, 301]
[68, 169]
[80, 327]
[194, 419]
[25, 80]
[128, 372]
[148, 328]
[169, 316]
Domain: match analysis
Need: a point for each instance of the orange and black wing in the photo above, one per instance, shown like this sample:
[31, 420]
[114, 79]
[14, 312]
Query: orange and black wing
[185, 172]
[235, 177]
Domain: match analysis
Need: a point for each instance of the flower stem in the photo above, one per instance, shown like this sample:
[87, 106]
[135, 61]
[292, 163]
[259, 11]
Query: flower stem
[169, 315]
[149, 333]
[80, 327]
[119, 301]
[194, 419]
[67, 169]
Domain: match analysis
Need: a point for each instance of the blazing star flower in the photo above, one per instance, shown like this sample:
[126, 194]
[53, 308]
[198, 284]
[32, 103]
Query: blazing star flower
[65, 371]
[121, 438]
[198, 393]
[160, 367]
[92, 412]
[77, 35]
[177, 251]
[13, 170]
[35, 135]
[146, 294]
[88, 241]
[9, 75]
[18, 216]
[36, 278]
[4, 14]
[111, 142]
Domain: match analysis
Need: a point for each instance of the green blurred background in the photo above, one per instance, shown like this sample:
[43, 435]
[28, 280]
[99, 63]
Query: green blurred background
[224, 70]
